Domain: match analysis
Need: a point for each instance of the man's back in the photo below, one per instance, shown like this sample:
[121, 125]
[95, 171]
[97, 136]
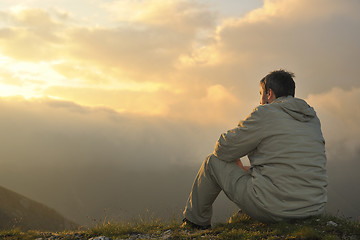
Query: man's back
[288, 165]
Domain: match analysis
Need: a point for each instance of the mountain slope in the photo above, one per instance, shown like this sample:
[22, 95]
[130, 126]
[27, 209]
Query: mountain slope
[19, 211]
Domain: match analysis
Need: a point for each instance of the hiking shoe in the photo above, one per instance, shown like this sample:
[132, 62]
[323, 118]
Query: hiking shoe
[191, 225]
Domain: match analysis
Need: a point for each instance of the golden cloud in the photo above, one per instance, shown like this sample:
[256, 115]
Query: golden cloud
[295, 11]
[341, 104]
[163, 48]
[31, 35]
[179, 16]
[142, 103]
[184, 105]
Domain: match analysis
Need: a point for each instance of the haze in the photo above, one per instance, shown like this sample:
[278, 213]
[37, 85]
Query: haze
[115, 104]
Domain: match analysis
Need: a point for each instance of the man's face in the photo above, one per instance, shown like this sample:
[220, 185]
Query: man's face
[264, 96]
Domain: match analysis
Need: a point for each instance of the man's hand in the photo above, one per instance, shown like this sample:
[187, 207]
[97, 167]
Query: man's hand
[239, 163]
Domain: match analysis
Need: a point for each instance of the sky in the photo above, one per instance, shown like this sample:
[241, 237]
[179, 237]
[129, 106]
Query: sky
[106, 102]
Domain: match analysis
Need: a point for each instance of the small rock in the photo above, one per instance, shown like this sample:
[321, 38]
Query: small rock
[166, 234]
[331, 223]
[100, 238]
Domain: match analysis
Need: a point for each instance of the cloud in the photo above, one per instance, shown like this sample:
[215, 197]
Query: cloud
[188, 52]
[80, 72]
[148, 41]
[143, 55]
[339, 111]
[96, 65]
[140, 102]
[9, 78]
[195, 105]
[319, 47]
[179, 16]
[96, 158]
[67, 129]
[145, 49]
[31, 35]
[293, 10]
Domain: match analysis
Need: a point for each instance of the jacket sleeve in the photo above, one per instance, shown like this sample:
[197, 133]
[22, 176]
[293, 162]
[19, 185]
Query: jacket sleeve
[241, 140]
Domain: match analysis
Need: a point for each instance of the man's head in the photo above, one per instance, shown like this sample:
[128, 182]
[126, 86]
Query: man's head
[276, 84]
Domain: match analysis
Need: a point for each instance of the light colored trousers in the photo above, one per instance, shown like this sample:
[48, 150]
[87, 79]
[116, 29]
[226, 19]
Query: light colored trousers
[216, 175]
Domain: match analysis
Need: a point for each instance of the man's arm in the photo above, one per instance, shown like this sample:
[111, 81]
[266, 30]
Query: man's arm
[241, 140]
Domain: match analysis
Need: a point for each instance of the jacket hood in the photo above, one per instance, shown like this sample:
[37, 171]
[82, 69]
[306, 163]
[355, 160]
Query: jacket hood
[296, 108]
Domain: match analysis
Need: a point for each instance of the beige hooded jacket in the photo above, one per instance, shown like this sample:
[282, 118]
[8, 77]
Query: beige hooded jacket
[286, 149]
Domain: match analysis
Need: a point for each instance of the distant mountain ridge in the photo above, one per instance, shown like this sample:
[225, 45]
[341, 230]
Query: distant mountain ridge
[21, 212]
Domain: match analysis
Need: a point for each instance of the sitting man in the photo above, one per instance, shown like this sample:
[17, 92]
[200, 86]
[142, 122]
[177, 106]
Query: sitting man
[283, 141]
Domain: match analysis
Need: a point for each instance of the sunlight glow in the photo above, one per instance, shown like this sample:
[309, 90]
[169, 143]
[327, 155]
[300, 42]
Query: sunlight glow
[10, 91]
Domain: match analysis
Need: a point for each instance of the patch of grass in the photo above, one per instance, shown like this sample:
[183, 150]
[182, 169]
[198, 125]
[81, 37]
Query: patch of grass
[307, 233]
[121, 230]
[243, 227]
[240, 226]
[17, 234]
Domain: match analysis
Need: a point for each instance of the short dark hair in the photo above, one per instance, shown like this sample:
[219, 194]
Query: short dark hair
[281, 82]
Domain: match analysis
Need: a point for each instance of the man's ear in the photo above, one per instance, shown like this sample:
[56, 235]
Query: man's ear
[271, 95]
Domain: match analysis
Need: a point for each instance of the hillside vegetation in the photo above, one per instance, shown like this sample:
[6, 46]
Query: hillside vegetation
[19, 211]
[238, 227]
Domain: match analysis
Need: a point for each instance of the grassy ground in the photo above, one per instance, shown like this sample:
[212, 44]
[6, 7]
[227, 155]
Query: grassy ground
[239, 227]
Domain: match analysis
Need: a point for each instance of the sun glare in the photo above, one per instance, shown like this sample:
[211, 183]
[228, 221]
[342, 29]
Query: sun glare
[10, 91]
